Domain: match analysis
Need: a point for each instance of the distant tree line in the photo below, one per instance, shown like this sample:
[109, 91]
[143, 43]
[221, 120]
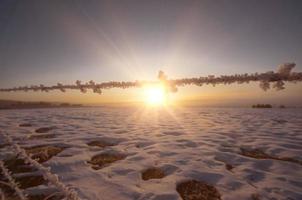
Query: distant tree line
[262, 106]
[265, 106]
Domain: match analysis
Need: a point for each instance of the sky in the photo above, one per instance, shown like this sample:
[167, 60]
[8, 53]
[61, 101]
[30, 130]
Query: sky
[45, 42]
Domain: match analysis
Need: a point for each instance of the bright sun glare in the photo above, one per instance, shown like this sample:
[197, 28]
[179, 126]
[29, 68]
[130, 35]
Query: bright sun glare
[155, 95]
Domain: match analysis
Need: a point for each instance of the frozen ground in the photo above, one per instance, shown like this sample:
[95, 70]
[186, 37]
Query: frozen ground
[204, 144]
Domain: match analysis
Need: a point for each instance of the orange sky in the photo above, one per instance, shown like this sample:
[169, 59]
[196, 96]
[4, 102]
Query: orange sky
[59, 41]
[220, 95]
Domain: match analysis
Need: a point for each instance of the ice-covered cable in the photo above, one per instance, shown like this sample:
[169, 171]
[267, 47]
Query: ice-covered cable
[2, 197]
[11, 181]
[53, 178]
[277, 79]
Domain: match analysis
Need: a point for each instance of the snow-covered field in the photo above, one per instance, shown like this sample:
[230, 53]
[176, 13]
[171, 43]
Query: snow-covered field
[244, 153]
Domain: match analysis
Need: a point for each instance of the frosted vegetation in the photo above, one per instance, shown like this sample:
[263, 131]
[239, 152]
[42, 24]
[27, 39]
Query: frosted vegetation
[131, 153]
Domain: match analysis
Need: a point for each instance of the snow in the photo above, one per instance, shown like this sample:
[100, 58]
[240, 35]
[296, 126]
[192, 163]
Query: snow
[186, 143]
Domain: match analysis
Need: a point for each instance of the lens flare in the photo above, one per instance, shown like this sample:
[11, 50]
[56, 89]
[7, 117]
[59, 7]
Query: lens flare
[155, 95]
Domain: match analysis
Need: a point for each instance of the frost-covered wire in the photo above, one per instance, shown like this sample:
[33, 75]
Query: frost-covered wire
[51, 195]
[70, 194]
[6, 173]
[283, 74]
[2, 197]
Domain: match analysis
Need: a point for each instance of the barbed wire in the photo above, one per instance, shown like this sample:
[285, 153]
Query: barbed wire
[2, 197]
[12, 183]
[283, 74]
[68, 192]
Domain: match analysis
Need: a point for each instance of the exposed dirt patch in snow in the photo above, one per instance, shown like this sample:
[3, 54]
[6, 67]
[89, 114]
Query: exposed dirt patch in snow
[229, 166]
[102, 160]
[196, 190]
[45, 129]
[255, 197]
[3, 145]
[56, 196]
[153, 173]
[17, 165]
[30, 181]
[25, 125]
[41, 136]
[100, 143]
[259, 154]
[43, 153]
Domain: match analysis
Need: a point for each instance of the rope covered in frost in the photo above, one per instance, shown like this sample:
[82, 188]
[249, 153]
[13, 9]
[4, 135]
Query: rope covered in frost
[2, 197]
[70, 193]
[12, 182]
[282, 74]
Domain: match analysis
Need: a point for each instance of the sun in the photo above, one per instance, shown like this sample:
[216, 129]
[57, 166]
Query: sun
[155, 95]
